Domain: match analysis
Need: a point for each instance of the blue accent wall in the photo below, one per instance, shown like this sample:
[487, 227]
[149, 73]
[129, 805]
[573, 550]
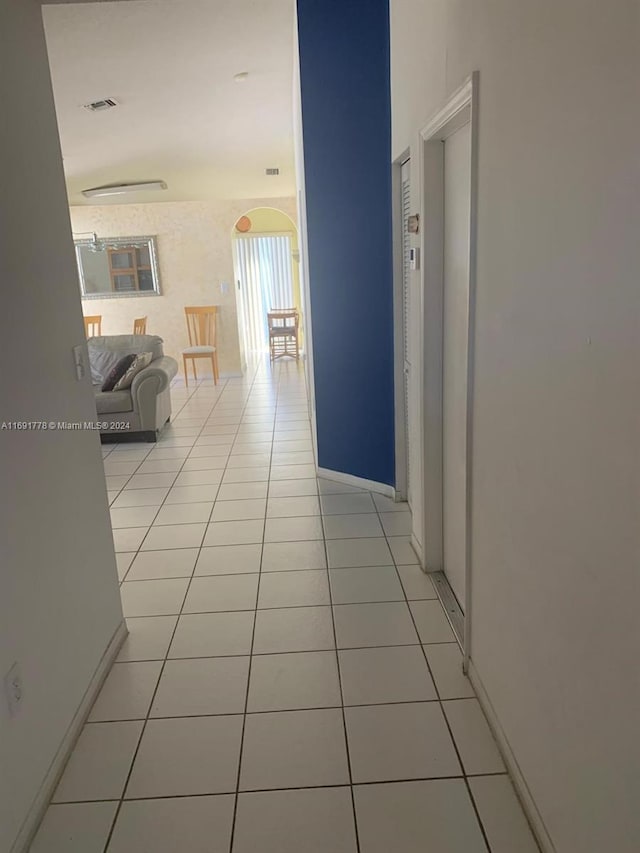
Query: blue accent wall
[346, 123]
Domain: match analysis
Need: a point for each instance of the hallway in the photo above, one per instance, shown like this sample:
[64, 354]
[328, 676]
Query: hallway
[290, 683]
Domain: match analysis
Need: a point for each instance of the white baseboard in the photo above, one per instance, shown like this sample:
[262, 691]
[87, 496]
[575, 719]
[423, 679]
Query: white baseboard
[357, 482]
[522, 789]
[48, 785]
[417, 547]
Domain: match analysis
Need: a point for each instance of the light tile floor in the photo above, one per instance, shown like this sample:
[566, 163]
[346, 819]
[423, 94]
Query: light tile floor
[290, 683]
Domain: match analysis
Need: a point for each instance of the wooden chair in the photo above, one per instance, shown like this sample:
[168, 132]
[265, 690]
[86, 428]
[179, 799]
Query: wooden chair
[201, 325]
[93, 325]
[140, 326]
[284, 326]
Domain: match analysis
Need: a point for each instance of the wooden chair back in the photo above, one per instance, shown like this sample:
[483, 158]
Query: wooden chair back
[285, 320]
[140, 326]
[201, 325]
[93, 325]
[283, 333]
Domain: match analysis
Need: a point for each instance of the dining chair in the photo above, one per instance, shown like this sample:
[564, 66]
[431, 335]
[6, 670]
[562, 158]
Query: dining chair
[140, 326]
[201, 325]
[284, 327]
[92, 325]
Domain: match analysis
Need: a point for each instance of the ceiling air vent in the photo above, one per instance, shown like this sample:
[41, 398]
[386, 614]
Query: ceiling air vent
[98, 106]
[272, 171]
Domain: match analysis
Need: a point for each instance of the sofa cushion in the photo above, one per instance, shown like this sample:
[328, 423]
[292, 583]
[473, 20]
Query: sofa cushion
[101, 361]
[112, 402]
[117, 372]
[125, 344]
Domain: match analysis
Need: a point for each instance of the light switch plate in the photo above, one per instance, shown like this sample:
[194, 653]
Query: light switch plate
[80, 362]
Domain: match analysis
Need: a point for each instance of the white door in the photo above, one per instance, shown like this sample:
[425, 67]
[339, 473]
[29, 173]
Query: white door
[457, 207]
[411, 419]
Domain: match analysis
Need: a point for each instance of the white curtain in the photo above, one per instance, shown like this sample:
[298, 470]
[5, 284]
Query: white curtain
[263, 268]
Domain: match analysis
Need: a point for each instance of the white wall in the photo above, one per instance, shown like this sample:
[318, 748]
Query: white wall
[556, 499]
[194, 257]
[301, 207]
[59, 601]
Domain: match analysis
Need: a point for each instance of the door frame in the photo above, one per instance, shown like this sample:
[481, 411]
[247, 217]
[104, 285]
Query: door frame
[303, 245]
[400, 426]
[461, 107]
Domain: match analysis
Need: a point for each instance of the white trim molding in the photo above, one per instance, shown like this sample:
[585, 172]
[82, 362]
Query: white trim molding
[303, 243]
[517, 777]
[455, 108]
[460, 109]
[52, 777]
[400, 425]
[417, 547]
[357, 482]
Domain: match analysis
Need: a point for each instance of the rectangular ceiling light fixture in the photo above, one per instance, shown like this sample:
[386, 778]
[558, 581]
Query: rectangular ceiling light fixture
[121, 189]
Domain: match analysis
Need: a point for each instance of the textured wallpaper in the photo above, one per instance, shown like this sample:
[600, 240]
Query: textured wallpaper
[194, 258]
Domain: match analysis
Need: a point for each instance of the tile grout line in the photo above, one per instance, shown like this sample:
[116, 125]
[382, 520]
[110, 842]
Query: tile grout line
[253, 634]
[144, 459]
[286, 788]
[202, 714]
[181, 470]
[154, 693]
[178, 472]
[257, 609]
[303, 651]
[276, 710]
[121, 800]
[166, 656]
[342, 708]
[437, 690]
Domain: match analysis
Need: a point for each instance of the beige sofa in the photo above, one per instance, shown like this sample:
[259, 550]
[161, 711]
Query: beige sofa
[141, 411]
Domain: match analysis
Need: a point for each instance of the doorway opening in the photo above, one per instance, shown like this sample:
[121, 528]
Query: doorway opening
[265, 257]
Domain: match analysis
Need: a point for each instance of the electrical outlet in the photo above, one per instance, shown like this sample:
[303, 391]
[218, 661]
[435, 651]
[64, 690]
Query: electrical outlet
[13, 690]
[224, 288]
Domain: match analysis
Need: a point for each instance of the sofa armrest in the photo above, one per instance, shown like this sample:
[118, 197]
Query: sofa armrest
[148, 384]
[163, 369]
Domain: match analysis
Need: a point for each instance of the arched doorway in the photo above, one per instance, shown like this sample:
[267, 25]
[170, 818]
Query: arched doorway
[266, 255]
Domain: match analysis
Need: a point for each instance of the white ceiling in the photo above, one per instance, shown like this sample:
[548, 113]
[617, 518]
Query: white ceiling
[180, 117]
